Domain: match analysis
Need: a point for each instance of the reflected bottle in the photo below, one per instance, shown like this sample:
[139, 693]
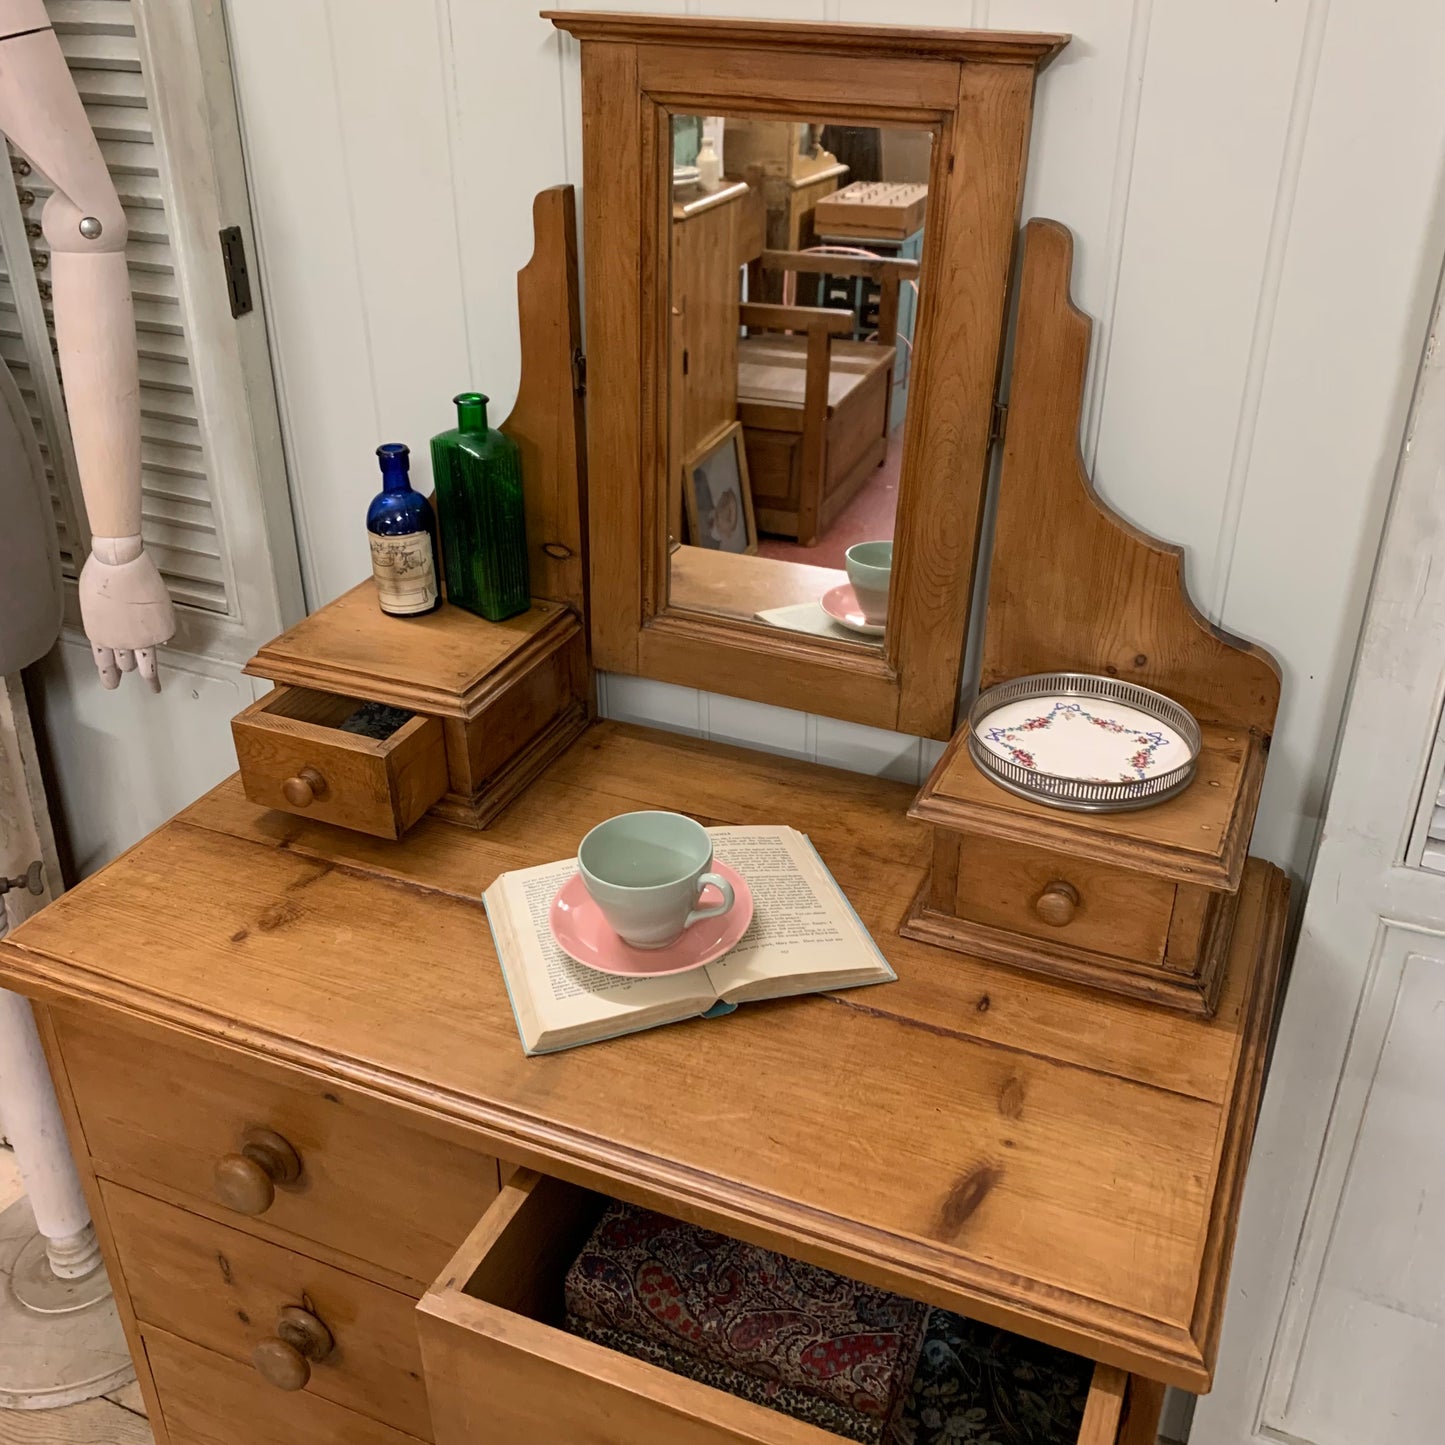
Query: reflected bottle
[403, 536]
[478, 474]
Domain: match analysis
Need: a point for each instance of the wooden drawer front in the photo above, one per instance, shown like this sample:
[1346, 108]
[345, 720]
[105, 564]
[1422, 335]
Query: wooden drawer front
[293, 755]
[1063, 900]
[501, 1370]
[207, 1399]
[224, 1290]
[371, 1185]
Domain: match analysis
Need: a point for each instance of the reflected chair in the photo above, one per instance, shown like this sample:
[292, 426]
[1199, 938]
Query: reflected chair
[814, 399]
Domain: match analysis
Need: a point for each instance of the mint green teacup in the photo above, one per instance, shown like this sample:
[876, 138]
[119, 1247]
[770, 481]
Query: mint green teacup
[645, 871]
[870, 568]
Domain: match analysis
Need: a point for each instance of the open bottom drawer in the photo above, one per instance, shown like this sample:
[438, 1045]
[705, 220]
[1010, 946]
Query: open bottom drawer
[501, 1369]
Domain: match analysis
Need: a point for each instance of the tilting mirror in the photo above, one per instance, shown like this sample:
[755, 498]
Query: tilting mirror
[795, 261]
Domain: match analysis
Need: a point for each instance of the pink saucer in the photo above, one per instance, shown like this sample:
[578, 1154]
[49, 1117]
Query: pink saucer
[584, 934]
[841, 604]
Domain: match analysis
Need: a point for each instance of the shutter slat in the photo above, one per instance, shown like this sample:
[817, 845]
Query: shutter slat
[108, 87]
[178, 517]
[99, 52]
[127, 123]
[91, 17]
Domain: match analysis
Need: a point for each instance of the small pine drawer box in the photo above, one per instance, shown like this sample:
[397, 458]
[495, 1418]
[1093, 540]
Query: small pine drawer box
[297, 754]
[477, 709]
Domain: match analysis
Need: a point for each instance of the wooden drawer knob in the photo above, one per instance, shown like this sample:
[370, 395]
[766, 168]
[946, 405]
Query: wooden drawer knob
[286, 1358]
[304, 789]
[1058, 903]
[246, 1182]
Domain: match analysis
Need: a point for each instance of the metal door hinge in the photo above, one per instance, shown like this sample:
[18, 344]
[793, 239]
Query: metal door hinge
[238, 277]
[998, 423]
[579, 372]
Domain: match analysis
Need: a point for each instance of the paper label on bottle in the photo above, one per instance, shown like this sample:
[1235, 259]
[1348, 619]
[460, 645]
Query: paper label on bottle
[405, 572]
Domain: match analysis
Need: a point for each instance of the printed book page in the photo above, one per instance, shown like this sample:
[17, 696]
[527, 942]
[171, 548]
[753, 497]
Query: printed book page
[560, 994]
[804, 931]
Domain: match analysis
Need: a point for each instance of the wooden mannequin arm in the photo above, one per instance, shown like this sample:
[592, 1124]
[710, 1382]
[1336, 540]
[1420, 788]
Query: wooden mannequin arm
[125, 607]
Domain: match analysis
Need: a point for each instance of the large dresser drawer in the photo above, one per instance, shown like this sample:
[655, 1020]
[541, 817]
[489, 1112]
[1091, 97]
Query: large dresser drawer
[207, 1399]
[502, 1370]
[368, 1182]
[300, 1325]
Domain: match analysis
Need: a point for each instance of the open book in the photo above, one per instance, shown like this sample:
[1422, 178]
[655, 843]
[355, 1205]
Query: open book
[804, 938]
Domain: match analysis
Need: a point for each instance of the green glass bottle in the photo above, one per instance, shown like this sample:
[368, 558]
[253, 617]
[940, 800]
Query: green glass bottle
[478, 476]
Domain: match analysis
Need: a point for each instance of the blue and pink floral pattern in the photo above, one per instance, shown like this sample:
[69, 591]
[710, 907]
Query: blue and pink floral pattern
[1140, 762]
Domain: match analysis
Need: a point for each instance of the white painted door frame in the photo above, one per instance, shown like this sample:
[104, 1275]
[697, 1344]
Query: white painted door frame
[1316, 1245]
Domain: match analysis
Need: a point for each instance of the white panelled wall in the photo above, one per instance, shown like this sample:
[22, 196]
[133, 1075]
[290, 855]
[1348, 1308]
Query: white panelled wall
[1255, 189]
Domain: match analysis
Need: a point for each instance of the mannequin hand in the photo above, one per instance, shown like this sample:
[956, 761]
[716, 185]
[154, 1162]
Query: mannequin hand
[125, 610]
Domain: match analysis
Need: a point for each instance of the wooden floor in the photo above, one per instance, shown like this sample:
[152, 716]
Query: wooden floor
[119, 1419]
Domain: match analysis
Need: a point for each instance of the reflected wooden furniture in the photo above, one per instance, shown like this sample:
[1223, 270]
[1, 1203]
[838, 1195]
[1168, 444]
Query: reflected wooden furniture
[791, 172]
[1045, 1158]
[712, 238]
[973, 90]
[707, 581]
[816, 406]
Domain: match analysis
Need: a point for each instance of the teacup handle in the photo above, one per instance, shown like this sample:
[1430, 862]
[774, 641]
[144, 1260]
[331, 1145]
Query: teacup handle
[718, 909]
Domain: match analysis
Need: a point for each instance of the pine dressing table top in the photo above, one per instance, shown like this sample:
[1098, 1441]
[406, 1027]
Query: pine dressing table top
[1056, 1161]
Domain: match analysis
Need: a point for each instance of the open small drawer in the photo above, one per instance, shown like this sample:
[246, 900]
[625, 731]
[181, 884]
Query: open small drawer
[294, 754]
[501, 1369]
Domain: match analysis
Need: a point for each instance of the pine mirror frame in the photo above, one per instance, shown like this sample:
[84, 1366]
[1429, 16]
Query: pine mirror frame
[974, 90]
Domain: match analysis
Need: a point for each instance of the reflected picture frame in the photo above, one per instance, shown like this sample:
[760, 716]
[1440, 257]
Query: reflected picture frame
[717, 494]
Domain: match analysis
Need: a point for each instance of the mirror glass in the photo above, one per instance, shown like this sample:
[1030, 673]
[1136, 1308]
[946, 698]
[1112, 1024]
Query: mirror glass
[796, 254]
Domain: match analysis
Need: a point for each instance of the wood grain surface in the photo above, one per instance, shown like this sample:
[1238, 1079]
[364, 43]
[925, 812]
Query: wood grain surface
[548, 421]
[1072, 585]
[448, 663]
[1024, 47]
[1200, 836]
[1038, 1156]
[160, 1111]
[210, 1400]
[222, 1289]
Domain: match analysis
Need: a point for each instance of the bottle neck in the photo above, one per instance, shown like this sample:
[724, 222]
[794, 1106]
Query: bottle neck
[395, 461]
[471, 411]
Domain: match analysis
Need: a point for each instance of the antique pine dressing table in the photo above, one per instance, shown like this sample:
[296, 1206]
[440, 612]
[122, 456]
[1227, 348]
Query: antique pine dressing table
[335, 1198]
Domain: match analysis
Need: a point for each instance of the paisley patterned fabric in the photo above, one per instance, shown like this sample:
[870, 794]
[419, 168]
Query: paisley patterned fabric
[976, 1385]
[867, 1365]
[756, 1312]
[800, 1404]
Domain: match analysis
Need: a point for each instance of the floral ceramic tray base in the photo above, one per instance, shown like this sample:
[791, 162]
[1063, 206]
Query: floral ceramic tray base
[1084, 742]
[1083, 738]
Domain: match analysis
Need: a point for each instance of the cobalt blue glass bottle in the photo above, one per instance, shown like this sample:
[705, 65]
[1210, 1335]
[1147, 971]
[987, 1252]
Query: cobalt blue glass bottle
[403, 539]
